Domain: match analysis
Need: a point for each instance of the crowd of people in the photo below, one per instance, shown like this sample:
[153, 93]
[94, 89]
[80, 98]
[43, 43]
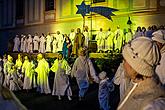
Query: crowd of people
[69, 43]
[141, 74]
[24, 74]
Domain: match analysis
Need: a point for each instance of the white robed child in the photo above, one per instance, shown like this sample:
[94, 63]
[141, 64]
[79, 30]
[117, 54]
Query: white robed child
[14, 80]
[28, 70]
[18, 65]
[7, 70]
[61, 85]
[16, 44]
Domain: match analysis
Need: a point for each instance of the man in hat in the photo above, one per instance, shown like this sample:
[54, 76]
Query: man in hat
[160, 40]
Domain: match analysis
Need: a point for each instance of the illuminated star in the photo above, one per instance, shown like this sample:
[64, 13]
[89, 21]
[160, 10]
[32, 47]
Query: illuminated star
[83, 9]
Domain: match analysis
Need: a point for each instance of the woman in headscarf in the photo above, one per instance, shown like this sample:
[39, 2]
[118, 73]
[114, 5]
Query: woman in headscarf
[145, 92]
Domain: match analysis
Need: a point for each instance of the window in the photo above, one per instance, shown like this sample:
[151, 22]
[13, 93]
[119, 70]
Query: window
[97, 1]
[19, 8]
[49, 5]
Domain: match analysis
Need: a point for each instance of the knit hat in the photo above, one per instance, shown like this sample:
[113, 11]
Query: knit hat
[158, 36]
[142, 54]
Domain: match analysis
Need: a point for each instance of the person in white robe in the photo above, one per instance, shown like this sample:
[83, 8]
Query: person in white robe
[100, 38]
[18, 66]
[84, 72]
[129, 36]
[36, 40]
[42, 75]
[29, 78]
[118, 39]
[8, 101]
[42, 44]
[55, 45]
[159, 37]
[30, 44]
[25, 45]
[14, 80]
[16, 44]
[61, 84]
[109, 40]
[7, 70]
[87, 37]
[121, 80]
[146, 92]
[22, 43]
[60, 40]
[72, 36]
[49, 39]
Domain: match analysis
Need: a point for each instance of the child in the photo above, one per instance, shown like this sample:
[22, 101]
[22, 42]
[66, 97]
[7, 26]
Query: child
[61, 79]
[29, 79]
[14, 80]
[105, 87]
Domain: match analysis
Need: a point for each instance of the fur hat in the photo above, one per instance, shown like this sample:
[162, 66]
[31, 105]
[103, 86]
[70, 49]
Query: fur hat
[142, 54]
[158, 36]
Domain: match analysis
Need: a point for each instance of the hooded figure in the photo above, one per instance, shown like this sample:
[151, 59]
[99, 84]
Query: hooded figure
[141, 56]
[159, 37]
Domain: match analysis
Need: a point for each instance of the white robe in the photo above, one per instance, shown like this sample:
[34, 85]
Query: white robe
[55, 45]
[109, 40]
[29, 79]
[42, 44]
[22, 44]
[60, 41]
[42, 78]
[100, 38]
[16, 44]
[36, 42]
[48, 43]
[30, 45]
[87, 38]
[118, 39]
[121, 79]
[72, 36]
[25, 45]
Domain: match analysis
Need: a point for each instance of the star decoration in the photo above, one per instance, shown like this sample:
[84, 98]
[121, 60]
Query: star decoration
[83, 9]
